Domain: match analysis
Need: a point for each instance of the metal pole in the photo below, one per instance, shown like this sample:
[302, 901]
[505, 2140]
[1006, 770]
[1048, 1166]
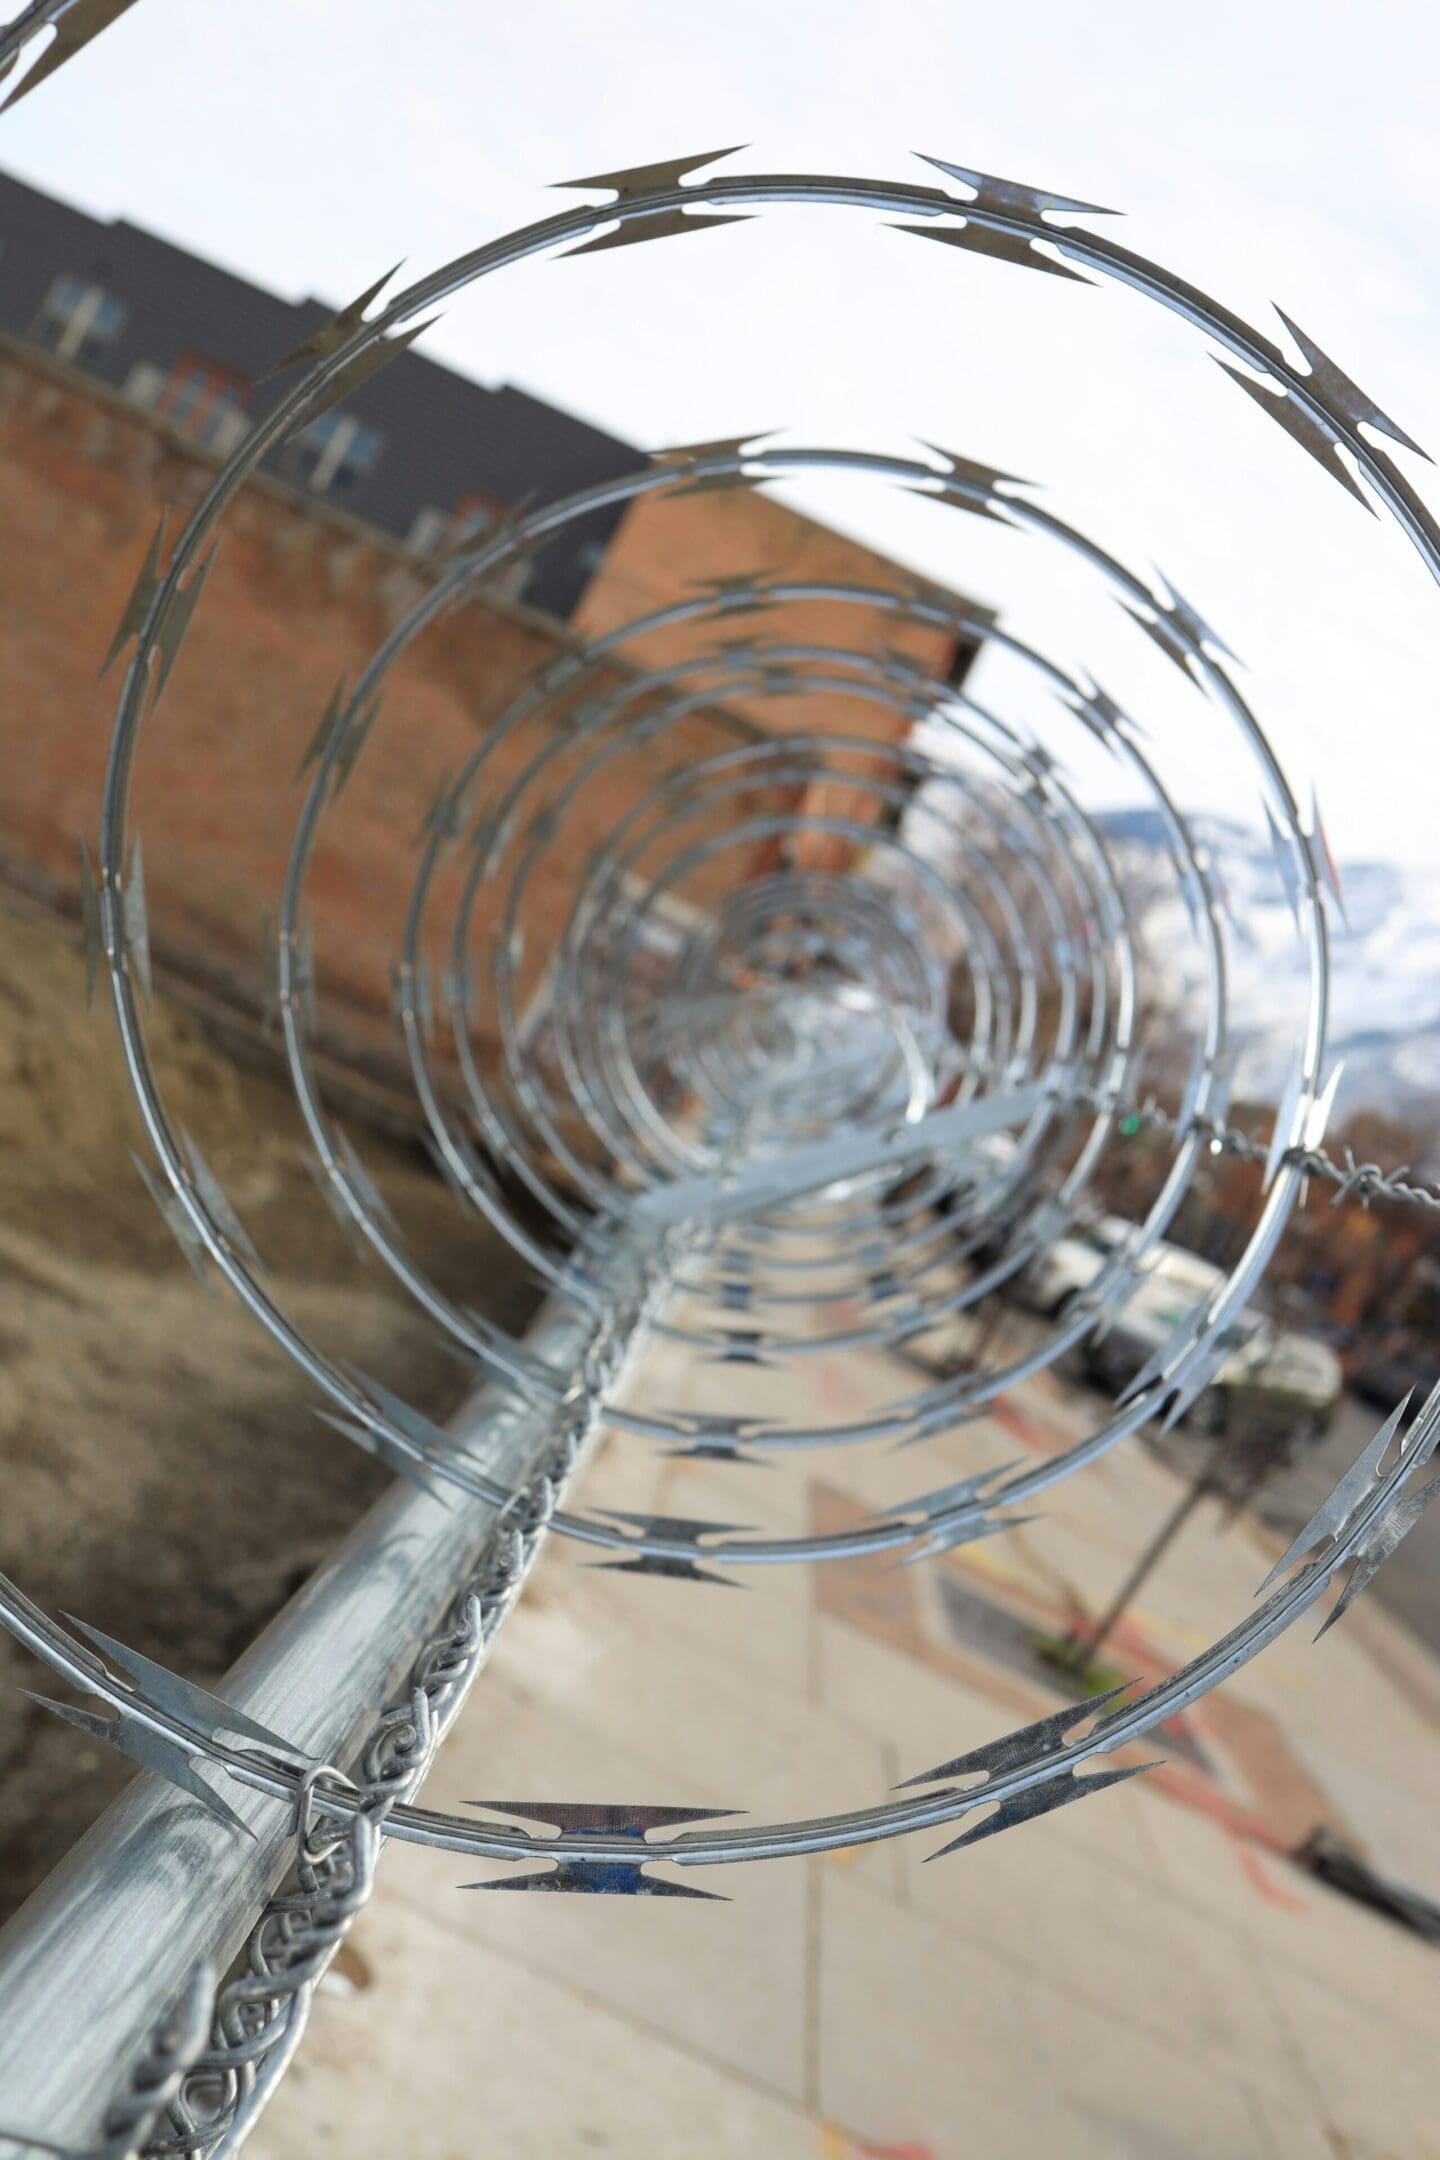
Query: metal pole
[1080, 1651]
[106, 1944]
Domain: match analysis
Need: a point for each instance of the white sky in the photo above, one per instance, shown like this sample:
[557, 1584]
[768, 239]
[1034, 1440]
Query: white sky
[1260, 149]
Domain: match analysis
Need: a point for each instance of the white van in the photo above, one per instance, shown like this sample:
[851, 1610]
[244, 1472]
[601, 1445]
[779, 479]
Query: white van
[1070, 1264]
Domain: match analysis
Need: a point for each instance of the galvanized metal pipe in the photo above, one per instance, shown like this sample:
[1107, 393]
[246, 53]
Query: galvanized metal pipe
[100, 1951]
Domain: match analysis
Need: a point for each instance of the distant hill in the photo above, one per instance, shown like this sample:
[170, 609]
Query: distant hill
[1385, 997]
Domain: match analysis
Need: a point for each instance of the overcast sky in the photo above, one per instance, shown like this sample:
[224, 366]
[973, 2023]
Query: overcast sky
[1264, 150]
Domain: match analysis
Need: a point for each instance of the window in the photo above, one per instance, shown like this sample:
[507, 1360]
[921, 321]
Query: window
[205, 399]
[427, 533]
[145, 383]
[473, 516]
[79, 322]
[440, 532]
[336, 454]
[890, 813]
[961, 662]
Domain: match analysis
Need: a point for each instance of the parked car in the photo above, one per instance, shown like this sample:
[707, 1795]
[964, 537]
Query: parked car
[1386, 1379]
[968, 1204]
[1045, 1283]
[1272, 1376]
[1073, 1262]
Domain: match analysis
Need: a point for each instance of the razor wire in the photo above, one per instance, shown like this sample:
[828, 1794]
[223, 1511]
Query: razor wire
[260, 2013]
[781, 1094]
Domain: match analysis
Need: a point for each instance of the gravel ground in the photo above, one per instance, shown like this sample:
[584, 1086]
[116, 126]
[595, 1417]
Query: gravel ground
[162, 1472]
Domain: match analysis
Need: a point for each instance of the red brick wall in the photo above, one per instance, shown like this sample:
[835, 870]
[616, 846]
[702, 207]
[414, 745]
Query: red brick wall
[668, 544]
[300, 594]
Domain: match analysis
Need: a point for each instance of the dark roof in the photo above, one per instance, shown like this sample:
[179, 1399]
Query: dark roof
[445, 437]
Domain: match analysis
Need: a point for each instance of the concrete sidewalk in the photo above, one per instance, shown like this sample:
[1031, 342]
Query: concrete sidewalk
[1141, 1974]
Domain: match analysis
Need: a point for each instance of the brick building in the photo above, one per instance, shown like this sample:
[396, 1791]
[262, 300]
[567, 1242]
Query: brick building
[417, 448]
[128, 370]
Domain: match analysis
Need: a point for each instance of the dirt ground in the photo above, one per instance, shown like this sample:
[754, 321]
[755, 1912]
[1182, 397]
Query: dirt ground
[162, 1471]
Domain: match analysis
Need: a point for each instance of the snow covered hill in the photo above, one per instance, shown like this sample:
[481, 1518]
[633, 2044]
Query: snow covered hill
[1385, 999]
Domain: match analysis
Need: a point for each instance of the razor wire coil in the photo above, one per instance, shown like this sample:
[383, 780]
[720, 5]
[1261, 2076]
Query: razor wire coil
[800, 1023]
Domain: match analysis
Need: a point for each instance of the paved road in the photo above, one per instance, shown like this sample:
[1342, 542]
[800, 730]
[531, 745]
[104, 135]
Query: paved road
[1131, 1977]
[1409, 1582]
